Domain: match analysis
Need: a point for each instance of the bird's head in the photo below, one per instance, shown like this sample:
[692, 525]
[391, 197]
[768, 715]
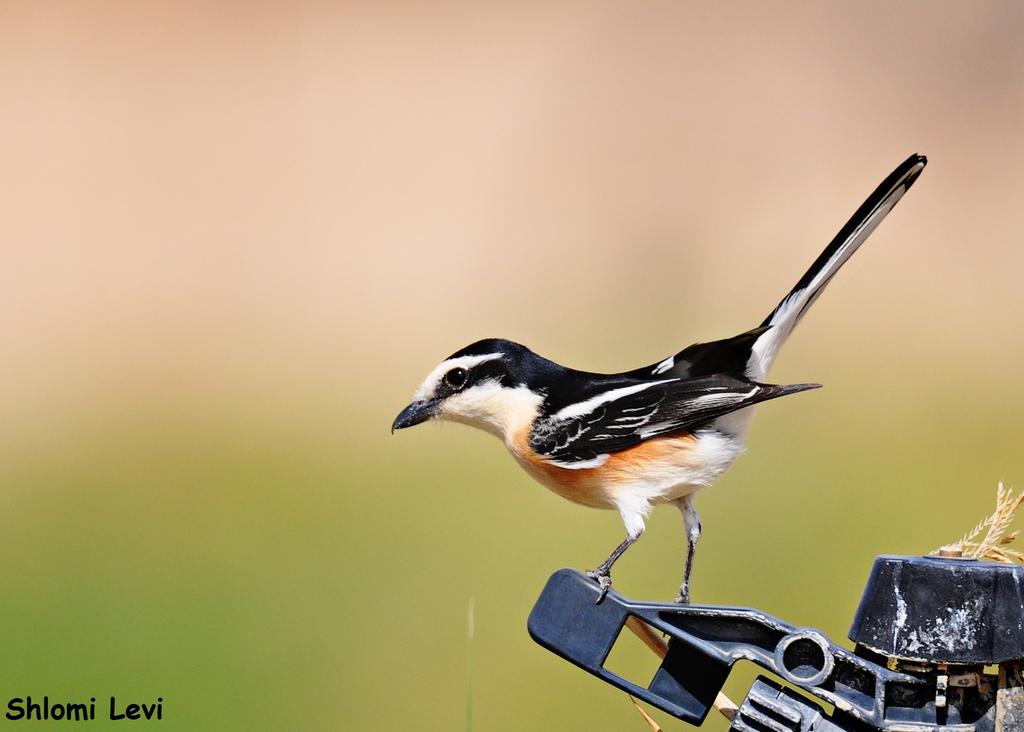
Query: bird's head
[491, 384]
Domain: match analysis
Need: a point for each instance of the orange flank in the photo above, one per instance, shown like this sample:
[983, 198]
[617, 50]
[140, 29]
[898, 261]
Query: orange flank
[596, 486]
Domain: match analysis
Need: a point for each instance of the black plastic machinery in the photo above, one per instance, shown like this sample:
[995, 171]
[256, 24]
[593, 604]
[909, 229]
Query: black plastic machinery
[939, 645]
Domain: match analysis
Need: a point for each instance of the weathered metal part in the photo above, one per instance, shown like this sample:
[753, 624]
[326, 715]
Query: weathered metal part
[770, 707]
[941, 687]
[942, 610]
[964, 680]
[1010, 698]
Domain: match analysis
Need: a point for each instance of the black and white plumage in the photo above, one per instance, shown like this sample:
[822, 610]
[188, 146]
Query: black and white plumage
[648, 436]
[622, 414]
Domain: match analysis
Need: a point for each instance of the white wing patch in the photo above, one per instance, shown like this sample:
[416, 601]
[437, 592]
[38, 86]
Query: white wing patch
[727, 397]
[588, 406]
[664, 365]
[656, 429]
[596, 462]
[631, 422]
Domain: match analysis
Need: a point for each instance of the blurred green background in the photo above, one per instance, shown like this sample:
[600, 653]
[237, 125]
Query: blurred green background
[236, 237]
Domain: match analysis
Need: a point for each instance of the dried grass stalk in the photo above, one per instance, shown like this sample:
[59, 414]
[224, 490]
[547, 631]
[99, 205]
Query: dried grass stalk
[993, 544]
[655, 727]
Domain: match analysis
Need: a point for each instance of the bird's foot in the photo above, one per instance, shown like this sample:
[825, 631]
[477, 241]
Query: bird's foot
[683, 598]
[604, 582]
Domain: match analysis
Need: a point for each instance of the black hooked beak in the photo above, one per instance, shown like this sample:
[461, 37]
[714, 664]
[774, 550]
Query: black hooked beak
[414, 414]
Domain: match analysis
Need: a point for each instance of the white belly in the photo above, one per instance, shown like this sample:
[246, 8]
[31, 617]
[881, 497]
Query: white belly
[674, 475]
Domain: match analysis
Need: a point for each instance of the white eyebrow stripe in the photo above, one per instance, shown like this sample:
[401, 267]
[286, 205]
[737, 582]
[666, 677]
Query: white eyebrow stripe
[588, 406]
[429, 385]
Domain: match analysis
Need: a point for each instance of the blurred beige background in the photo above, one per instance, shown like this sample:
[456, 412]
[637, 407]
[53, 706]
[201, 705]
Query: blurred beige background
[236, 236]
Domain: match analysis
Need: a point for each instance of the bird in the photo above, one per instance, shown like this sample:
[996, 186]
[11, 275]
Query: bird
[654, 435]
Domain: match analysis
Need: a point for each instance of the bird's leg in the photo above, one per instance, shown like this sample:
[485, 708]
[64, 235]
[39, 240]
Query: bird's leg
[691, 525]
[603, 574]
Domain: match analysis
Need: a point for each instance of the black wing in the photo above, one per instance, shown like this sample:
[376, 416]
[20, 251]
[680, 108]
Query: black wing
[727, 356]
[627, 414]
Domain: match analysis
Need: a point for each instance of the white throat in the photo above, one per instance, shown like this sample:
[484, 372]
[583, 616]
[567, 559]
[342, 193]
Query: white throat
[503, 411]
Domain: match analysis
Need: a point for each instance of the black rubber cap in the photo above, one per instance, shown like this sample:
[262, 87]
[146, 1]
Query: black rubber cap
[942, 610]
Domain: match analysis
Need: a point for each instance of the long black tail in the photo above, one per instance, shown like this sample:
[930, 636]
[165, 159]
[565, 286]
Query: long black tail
[780, 323]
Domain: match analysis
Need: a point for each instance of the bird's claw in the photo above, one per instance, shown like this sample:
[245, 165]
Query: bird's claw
[604, 582]
[683, 598]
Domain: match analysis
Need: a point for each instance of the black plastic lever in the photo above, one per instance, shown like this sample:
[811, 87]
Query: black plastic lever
[704, 642]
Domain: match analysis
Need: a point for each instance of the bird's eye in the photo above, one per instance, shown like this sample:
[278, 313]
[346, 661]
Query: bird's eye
[456, 378]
